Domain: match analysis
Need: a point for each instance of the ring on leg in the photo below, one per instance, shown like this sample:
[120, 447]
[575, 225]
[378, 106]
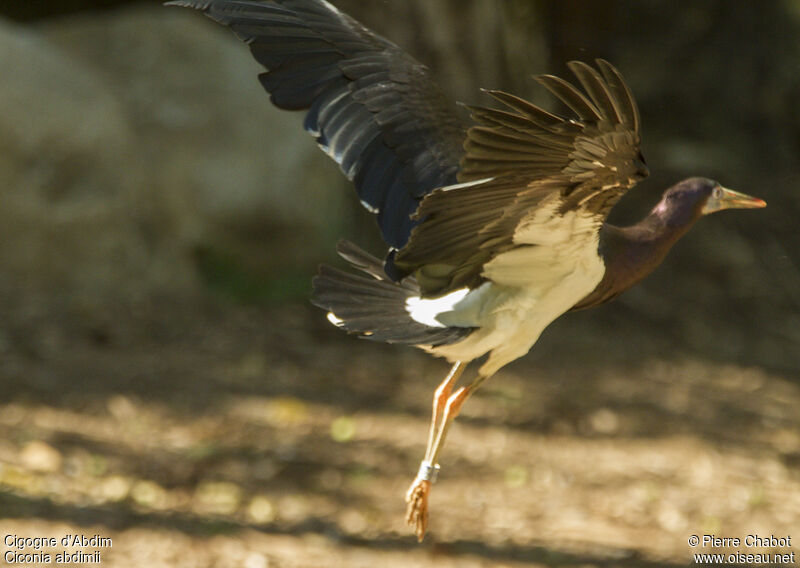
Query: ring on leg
[447, 404]
[428, 471]
[419, 492]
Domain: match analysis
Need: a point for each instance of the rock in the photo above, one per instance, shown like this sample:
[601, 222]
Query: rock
[70, 172]
[74, 236]
[225, 168]
[138, 137]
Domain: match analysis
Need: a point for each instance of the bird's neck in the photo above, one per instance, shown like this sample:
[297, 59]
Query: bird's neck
[631, 253]
[648, 241]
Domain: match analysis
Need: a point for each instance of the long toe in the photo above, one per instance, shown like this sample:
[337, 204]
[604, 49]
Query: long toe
[417, 511]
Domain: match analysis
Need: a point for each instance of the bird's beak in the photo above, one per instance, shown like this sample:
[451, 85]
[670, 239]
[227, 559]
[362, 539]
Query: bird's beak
[724, 198]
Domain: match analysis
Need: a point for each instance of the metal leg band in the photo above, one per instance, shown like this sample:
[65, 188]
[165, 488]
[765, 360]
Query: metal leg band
[428, 471]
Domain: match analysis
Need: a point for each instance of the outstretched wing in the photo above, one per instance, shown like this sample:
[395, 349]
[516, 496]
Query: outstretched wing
[529, 178]
[371, 107]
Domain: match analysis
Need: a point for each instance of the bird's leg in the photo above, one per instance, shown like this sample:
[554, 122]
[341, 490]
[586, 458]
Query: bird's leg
[452, 408]
[417, 496]
[440, 397]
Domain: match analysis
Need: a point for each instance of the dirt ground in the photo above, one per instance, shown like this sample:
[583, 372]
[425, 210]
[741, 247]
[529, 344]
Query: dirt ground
[261, 437]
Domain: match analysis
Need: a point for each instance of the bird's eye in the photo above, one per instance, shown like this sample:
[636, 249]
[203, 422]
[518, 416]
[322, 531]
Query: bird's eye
[717, 193]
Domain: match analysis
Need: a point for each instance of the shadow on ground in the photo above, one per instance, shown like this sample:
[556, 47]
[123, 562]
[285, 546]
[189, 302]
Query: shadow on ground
[261, 437]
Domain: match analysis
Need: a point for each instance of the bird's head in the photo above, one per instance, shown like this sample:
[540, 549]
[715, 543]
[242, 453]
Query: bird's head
[687, 201]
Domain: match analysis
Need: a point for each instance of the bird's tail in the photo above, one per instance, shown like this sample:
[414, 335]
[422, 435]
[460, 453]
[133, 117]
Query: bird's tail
[372, 305]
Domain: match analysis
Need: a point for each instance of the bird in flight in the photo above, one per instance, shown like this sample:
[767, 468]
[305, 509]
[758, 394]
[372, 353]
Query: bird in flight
[495, 226]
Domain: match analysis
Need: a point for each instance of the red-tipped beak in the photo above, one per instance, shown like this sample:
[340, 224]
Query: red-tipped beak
[724, 198]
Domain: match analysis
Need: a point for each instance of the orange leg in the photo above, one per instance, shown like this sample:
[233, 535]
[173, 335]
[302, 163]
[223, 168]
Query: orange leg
[440, 397]
[448, 405]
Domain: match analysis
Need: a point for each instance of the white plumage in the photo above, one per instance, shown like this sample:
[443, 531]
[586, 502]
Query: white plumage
[528, 287]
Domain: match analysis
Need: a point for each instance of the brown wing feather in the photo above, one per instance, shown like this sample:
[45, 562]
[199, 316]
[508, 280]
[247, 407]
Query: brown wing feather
[516, 160]
[539, 116]
[571, 97]
[599, 92]
[622, 94]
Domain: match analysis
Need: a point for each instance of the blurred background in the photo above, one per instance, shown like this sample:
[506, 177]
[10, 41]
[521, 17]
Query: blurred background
[166, 383]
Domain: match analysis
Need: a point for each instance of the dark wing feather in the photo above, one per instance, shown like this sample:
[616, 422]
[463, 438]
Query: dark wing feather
[523, 161]
[599, 92]
[371, 107]
[622, 95]
[372, 306]
[571, 96]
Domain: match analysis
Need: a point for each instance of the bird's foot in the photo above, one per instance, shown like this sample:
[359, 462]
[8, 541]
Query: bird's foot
[417, 498]
[417, 510]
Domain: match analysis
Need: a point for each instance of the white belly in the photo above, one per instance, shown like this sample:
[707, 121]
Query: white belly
[527, 288]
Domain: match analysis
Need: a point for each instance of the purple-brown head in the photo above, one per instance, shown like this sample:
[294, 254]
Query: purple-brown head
[685, 202]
